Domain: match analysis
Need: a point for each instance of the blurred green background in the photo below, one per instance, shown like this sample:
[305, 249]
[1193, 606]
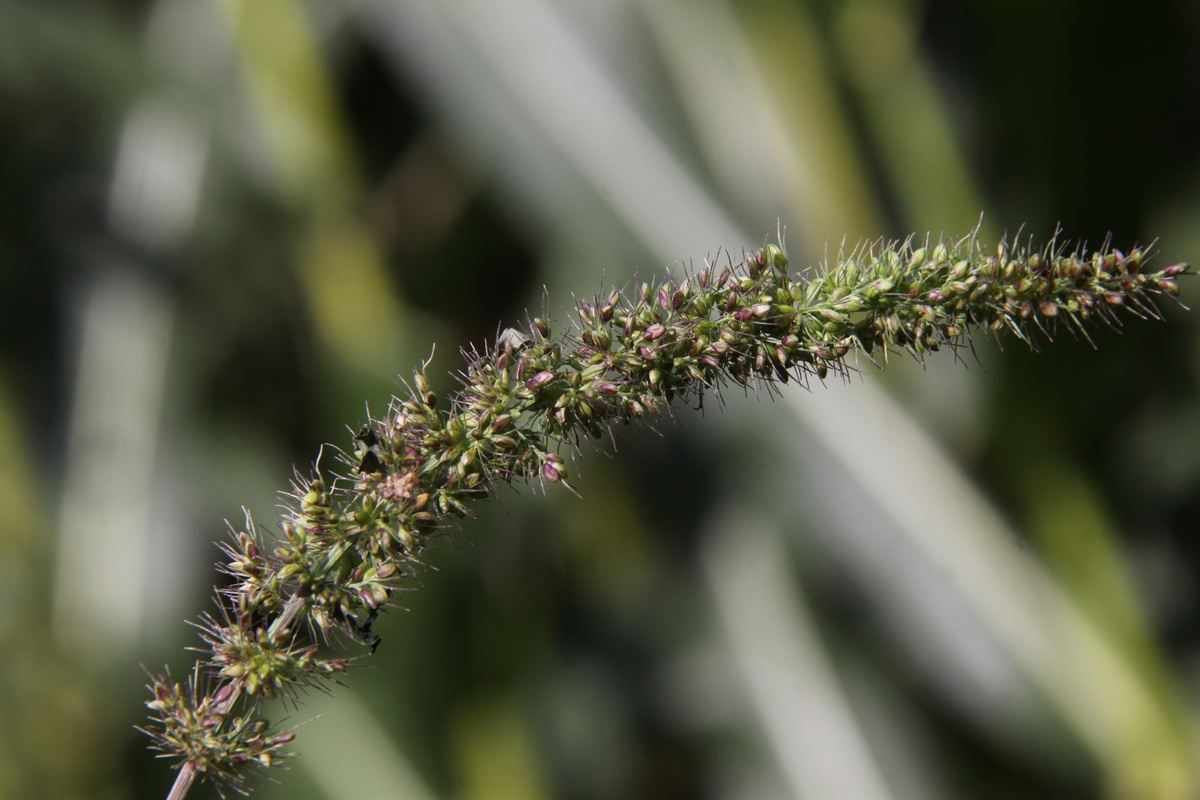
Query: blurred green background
[225, 225]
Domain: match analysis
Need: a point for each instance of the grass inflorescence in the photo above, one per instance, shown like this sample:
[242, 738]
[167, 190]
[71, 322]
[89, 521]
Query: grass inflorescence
[348, 542]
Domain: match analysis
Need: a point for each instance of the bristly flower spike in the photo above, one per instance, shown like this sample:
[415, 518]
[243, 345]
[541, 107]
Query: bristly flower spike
[348, 543]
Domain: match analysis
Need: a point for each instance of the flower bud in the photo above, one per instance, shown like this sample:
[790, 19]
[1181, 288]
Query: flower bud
[655, 331]
[294, 535]
[405, 539]
[223, 694]
[1176, 269]
[539, 325]
[553, 471]
[539, 380]
[775, 257]
[754, 263]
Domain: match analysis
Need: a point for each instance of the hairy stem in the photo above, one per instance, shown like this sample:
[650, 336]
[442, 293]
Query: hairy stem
[183, 781]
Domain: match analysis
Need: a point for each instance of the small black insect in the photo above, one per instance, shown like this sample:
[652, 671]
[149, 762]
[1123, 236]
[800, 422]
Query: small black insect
[368, 450]
[360, 633]
[364, 632]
